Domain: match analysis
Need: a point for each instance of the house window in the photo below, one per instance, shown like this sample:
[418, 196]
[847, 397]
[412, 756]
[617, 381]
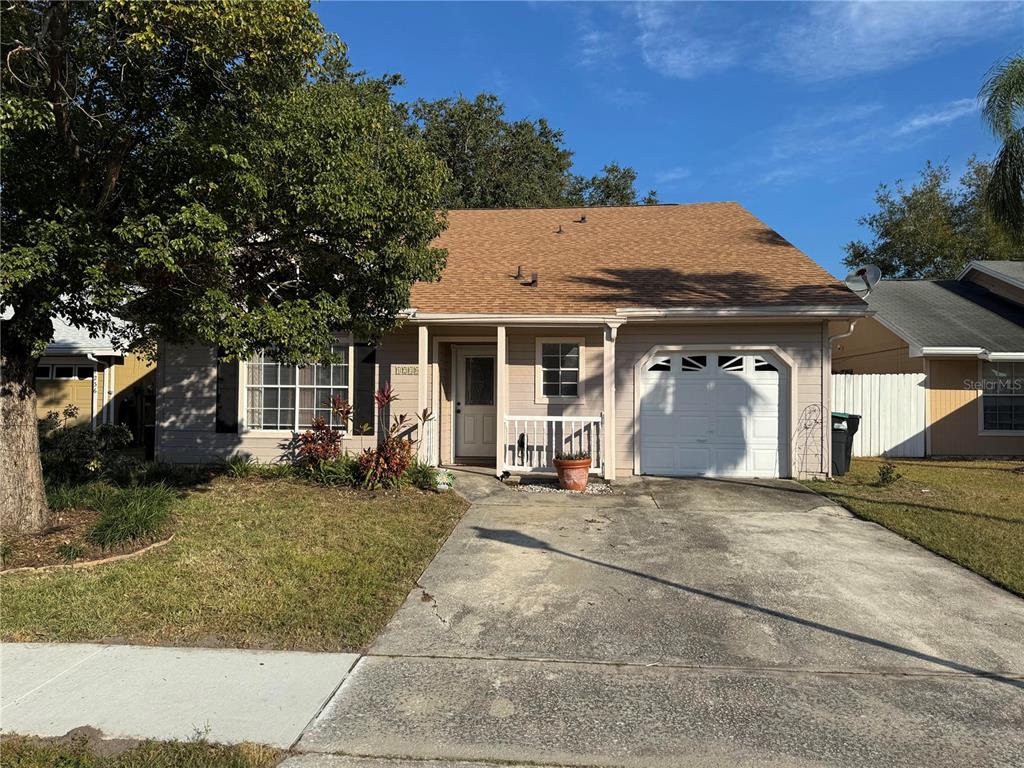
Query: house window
[42, 372]
[1002, 398]
[63, 371]
[559, 369]
[285, 397]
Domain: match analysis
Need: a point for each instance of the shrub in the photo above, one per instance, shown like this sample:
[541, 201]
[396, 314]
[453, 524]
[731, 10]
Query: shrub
[342, 471]
[275, 471]
[74, 454]
[121, 469]
[243, 465]
[888, 474]
[63, 498]
[321, 443]
[129, 514]
[423, 476]
[70, 551]
[385, 465]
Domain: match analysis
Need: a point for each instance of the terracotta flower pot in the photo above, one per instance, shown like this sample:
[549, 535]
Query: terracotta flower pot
[573, 474]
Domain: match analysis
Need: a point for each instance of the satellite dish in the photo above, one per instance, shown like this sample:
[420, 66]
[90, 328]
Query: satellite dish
[863, 279]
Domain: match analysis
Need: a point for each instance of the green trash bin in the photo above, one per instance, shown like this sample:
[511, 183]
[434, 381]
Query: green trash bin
[844, 427]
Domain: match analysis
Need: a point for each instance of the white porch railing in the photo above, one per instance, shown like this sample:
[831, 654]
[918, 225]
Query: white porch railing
[531, 442]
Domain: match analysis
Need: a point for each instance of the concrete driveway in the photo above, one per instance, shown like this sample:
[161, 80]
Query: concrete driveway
[695, 622]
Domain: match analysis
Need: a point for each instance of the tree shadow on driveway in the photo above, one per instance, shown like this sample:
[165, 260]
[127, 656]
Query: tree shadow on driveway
[519, 539]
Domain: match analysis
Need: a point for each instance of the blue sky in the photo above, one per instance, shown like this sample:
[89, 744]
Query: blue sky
[796, 110]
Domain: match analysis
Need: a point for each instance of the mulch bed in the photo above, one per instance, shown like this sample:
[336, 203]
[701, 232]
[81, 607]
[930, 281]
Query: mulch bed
[34, 550]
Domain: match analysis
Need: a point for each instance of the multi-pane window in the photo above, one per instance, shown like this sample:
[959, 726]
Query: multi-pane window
[1002, 399]
[289, 397]
[560, 369]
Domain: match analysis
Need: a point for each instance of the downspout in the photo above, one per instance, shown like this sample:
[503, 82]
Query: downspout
[826, 434]
[95, 369]
[108, 379]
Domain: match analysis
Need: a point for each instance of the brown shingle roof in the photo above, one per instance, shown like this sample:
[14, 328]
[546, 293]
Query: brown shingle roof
[703, 255]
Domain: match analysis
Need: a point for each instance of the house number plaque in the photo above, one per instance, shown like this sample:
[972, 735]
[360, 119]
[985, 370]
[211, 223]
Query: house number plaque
[406, 370]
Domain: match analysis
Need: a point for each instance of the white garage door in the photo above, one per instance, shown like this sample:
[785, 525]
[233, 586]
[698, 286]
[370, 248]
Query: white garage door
[713, 413]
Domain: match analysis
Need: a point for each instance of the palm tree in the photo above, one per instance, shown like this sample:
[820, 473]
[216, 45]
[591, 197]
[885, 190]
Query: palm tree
[1002, 98]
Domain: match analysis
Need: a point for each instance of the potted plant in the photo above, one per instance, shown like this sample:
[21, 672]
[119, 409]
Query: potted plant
[573, 470]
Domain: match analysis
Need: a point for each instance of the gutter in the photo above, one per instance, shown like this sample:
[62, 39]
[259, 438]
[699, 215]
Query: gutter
[965, 352]
[796, 310]
[623, 315]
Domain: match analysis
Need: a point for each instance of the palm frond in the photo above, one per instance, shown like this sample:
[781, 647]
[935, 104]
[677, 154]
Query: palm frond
[1002, 96]
[1004, 194]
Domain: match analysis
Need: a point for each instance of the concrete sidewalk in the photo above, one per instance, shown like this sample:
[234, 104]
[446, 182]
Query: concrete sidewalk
[136, 692]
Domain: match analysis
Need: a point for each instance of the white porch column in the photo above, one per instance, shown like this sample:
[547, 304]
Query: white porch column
[422, 395]
[608, 419]
[501, 400]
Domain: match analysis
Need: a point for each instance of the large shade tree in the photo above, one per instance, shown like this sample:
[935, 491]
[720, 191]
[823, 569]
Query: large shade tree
[933, 228]
[500, 163]
[202, 172]
[1002, 98]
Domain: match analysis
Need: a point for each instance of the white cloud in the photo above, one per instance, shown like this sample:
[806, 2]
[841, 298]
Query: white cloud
[944, 115]
[672, 175]
[834, 40]
[673, 41]
[806, 41]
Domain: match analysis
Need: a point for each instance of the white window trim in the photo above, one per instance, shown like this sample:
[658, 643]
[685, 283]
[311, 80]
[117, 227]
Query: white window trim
[74, 371]
[243, 397]
[982, 432]
[538, 365]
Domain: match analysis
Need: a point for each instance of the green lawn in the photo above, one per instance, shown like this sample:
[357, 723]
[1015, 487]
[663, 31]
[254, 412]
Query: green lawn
[256, 563]
[969, 511]
[27, 752]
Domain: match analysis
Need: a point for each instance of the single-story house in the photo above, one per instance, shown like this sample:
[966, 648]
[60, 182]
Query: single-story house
[107, 385]
[967, 336]
[666, 340]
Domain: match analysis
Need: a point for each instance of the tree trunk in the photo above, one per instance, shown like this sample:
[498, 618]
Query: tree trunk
[22, 496]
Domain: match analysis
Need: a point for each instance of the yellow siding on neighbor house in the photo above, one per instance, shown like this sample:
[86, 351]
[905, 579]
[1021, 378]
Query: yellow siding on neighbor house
[954, 414]
[873, 348]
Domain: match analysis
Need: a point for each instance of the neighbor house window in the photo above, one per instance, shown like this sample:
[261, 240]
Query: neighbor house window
[559, 369]
[1002, 397]
[287, 397]
[42, 372]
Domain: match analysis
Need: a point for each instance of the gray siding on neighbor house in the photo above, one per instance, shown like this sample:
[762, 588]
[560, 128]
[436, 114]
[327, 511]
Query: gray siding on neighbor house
[186, 405]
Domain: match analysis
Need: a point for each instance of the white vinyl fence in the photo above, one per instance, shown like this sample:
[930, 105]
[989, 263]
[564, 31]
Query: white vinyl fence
[892, 411]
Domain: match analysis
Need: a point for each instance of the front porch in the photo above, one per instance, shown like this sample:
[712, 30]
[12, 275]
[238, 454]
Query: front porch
[513, 397]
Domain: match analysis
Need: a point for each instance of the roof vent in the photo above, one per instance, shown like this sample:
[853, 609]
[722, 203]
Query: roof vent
[559, 230]
[582, 219]
[519, 273]
[532, 283]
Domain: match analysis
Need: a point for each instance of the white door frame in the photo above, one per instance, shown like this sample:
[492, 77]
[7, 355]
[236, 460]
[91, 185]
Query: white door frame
[460, 351]
[770, 349]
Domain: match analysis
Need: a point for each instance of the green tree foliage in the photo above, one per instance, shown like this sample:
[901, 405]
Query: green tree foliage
[207, 172]
[497, 163]
[1002, 98]
[932, 229]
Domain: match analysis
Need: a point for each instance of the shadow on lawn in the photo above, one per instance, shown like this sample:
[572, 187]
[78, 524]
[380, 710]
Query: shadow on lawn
[519, 539]
[838, 496]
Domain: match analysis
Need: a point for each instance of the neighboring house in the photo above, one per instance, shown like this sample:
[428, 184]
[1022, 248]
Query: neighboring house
[967, 337]
[106, 385]
[667, 340]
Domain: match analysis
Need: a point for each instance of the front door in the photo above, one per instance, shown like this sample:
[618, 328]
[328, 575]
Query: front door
[475, 411]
